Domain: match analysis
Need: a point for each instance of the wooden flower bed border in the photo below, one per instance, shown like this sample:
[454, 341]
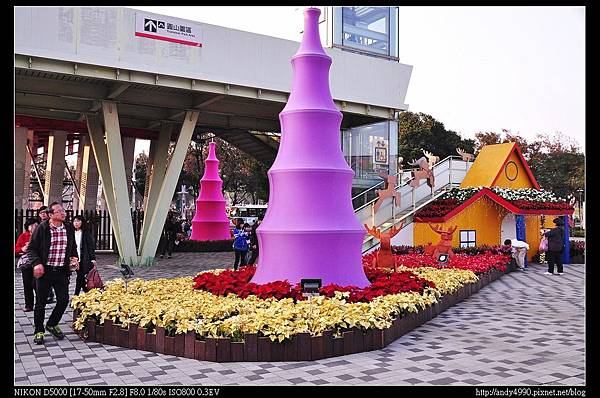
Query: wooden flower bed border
[301, 347]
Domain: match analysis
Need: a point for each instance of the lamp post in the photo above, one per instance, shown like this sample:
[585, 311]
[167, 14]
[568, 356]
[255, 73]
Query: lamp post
[580, 192]
[183, 194]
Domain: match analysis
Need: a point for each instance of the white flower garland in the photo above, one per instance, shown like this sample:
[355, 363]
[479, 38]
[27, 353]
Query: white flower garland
[528, 194]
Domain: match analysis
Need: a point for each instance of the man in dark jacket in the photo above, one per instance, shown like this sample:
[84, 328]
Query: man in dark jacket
[556, 244]
[42, 215]
[52, 252]
[254, 241]
[170, 231]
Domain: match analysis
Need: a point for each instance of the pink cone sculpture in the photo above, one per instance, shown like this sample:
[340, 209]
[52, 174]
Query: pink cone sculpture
[310, 230]
[210, 221]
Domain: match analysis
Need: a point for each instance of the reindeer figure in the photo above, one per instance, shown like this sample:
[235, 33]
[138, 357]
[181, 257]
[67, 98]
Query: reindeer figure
[467, 157]
[444, 245]
[426, 172]
[431, 159]
[388, 192]
[384, 258]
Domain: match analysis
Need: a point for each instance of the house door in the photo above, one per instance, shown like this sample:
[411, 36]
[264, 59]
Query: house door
[509, 228]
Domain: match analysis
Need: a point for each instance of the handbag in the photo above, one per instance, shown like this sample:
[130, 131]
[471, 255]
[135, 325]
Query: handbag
[23, 261]
[544, 244]
[93, 280]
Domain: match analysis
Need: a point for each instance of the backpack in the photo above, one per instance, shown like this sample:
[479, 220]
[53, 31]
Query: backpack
[93, 280]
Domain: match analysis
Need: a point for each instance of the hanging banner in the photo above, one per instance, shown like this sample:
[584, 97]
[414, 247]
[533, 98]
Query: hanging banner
[174, 30]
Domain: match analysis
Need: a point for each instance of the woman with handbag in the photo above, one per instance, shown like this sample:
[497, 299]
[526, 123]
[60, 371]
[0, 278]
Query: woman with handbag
[86, 249]
[23, 263]
[556, 245]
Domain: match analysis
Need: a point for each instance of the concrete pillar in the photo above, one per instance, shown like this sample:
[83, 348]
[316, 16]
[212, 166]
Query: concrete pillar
[128, 158]
[86, 176]
[149, 170]
[157, 210]
[111, 166]
[159, 151]
[55, 167]
[21, 169]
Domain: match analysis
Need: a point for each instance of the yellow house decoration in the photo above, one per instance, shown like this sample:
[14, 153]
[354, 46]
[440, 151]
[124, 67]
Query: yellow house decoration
[498, 199]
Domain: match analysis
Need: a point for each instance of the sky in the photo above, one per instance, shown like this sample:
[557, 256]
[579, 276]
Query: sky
[474, 68]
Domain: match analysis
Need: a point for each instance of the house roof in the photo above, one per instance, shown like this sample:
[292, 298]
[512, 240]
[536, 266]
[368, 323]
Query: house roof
[490, 162]
[486, 192]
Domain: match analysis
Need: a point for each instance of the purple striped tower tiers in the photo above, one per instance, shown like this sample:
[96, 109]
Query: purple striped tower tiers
[210, 221]
[310, 230]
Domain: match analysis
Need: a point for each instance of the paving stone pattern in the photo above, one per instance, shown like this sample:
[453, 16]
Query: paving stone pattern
[523, 329]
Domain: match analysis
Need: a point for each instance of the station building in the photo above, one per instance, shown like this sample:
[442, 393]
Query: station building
[92, 80]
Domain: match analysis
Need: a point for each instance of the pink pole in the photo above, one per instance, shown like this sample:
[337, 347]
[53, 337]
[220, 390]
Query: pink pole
[210, 221]
[310, 230]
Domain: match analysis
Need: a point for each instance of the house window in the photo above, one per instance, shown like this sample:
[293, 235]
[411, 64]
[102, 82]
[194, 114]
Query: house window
[467, 238]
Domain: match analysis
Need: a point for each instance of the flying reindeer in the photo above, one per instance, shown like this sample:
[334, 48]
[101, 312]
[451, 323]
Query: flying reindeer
[384, 258]
[467, 157]
[388, 192]
[431, 159]
[426, 172]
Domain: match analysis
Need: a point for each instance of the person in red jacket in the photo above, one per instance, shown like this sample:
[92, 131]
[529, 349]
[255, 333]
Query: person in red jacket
[26, 269]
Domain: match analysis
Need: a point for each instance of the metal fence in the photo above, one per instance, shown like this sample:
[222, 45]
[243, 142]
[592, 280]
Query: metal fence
[98, 222]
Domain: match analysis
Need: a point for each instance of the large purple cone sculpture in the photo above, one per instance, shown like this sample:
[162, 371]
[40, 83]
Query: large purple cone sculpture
[210, 221]
[310, 230]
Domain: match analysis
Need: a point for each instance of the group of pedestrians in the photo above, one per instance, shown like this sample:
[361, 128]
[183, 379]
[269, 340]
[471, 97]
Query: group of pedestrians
[552, 243]
[245, 239]
[50, 250]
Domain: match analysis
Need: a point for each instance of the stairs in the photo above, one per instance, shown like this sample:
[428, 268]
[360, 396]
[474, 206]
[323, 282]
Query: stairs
[448, 173]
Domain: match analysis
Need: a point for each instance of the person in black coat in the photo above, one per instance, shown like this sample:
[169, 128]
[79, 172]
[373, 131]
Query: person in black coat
[42, 215]
[86, 249]
[254, 241]
[556, 244]
[52, 252]
[170, 231]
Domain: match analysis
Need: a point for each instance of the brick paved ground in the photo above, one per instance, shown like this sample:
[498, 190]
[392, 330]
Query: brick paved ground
[523, 329]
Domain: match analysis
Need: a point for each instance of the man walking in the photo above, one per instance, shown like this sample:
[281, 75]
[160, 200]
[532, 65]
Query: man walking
[52, 253]
[42, 215]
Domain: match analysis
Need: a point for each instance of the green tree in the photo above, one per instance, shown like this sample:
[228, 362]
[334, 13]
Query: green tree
[419, 131]
[559, 164]
[140, 172]
[555, 160]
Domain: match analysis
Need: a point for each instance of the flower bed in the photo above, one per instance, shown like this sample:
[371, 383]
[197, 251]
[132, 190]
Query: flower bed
[237, 282]
[497, 249]
[251, 323]
[478, 263]
[255, 347]
[577, 247]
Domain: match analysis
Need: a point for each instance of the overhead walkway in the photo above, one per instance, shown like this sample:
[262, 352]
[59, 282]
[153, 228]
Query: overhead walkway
[261, 146]
[448, 173]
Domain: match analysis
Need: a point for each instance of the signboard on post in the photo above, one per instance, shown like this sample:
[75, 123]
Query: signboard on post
[174, 30]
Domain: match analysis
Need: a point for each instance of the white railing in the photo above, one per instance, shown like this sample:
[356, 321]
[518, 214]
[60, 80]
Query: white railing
[448, 173]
